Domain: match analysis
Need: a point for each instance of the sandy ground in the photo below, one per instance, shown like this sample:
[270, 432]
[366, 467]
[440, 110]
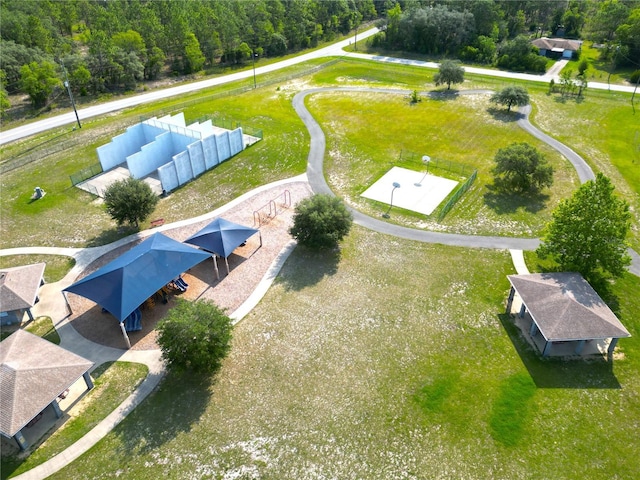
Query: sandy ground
[247, 265]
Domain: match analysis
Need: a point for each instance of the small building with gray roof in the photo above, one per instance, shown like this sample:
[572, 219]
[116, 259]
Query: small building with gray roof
[558, 47]
[563, 308]
[19, 287]
[33, 374]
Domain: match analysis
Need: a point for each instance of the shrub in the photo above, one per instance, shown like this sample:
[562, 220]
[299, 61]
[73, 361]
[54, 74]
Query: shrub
[130, 200]
[195, 336]
[321, 221]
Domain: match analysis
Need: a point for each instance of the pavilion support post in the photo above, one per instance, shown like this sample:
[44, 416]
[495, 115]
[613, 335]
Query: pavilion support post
[580, 347]
[124, 332]
[56, 409]
[66, 301]
[612, 347]
[21, 441]
[523, 309]
[29, 314]
[215, 265]
[87, 380]
[547, 348]
[512, 293]
[260, 233]
[226, 260]
[534, 329]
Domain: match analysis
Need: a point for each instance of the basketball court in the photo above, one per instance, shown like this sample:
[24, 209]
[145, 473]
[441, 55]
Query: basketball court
[417, 191]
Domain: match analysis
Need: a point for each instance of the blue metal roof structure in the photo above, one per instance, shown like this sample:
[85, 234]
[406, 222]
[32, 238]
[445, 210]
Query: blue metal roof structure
[221, 237]
[125, 283]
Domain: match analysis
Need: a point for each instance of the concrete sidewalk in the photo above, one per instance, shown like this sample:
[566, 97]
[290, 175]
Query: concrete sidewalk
[52, 304]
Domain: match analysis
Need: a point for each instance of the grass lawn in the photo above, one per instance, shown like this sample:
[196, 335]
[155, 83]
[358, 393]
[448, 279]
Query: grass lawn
[391, 360]
[114, 382]
[464, 130]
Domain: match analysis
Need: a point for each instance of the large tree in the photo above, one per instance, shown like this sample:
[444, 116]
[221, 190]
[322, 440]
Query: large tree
[195, 336]
[320, 221]
[521, 167]
[449, 72]
[588, 231]
[38, 80]
[512, 95]
[130, 200]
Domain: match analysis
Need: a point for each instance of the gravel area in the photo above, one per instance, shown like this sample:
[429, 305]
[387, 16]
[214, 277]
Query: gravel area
[247, 265]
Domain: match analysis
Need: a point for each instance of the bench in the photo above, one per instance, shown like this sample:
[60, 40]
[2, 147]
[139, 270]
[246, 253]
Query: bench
[157, 223]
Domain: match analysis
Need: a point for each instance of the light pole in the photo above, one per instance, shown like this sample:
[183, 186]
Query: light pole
[395, 185]
[425, 159]
[253, 57]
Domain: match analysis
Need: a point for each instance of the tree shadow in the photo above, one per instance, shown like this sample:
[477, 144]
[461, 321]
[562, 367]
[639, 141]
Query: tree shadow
[111, 235]
[504, 116]
[307, 267]
[556, 372]
[503, 202]
[174, 408]
[443, 95]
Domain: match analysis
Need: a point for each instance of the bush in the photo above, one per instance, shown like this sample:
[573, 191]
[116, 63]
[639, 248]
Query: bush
[195, 336]
[130, 200]
[635, 76]
[521, 167]
[321, 221]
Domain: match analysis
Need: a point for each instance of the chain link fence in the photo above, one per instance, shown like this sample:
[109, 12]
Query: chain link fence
[447, 165]
[456, 195]
[57, 145]
[85, 174]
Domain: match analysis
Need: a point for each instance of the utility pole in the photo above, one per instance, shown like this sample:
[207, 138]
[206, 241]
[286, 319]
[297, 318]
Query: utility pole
[253, 57]
[68, 87]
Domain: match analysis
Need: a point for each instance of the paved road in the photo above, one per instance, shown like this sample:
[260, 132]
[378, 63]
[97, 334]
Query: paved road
[335, 50]
[315, 174]
[84, 113]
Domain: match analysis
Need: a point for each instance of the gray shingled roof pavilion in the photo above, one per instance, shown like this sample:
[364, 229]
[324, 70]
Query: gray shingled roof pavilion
[33, 373]
[19, 288]
[565, 308]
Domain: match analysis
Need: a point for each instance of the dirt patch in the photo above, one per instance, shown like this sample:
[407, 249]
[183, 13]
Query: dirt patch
[247, 265]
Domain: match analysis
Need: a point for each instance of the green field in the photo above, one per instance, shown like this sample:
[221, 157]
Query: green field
[391, 358]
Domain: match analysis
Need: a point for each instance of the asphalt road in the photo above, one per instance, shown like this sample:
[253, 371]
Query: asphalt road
[317, 147]
[334, 50]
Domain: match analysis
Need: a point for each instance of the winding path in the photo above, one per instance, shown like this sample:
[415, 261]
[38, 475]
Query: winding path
[71, 340]
[315, 174]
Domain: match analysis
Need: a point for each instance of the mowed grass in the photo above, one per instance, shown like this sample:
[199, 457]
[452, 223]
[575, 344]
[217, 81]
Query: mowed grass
[368, 133]
[74, 218]
[390, 360]
[57, 265]
[366, 128]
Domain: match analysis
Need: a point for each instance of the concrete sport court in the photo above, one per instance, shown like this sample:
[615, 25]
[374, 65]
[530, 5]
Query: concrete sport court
[418, 192]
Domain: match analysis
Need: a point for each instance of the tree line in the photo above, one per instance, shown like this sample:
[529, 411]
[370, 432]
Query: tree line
[499, 32]
[112, 45]
[97, 46]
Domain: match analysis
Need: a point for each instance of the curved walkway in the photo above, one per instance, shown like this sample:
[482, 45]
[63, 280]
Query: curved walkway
[52, 300]
[52, 304]
[315, 173]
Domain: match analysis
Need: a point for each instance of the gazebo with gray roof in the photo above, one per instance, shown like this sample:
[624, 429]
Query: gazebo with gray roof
[33, 374]
[564, 308]
[19, 288]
